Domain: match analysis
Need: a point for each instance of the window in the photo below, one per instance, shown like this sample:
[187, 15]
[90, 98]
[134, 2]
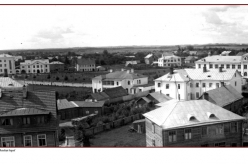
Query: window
[26, 120]
[40, 119]
[217, 85]
[5, 65]
[37, 66]
[210, 85]
[239, 66]
[233, 66]
[228, 66]
[167, 86]
[172, 136]
[203, 85]
[204, 131]
[227, 128]
[234, 127]
[27, 140]
[245, 66]
[197, 85]
[220, 129]
[178, 86]
[45, 65]
[0, 65]
[8, 141]
[87, 112]
[216, 65]
[117, 83]
[128, 83]
[210, 65]
[222, 65]
[187, 134]
[199, 65]
[159, 84]
[220, 144]
[197, 95]
[34, 66]
[7, 121]
[41, 140]
[28, 66]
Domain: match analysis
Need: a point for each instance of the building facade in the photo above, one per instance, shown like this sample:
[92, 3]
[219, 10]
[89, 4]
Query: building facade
[195, 123]
[57, 66]
[190, 84]
[28, 119]
[169, 61]
[150, 58]
[85, 65]
[7, 64]
[35, 66]
[125, 78]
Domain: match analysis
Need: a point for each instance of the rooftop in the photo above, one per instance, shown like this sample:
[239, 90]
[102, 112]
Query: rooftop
[178, 114]
[88, 104]
[9, 83]
[5, 55]
[56, 62]
[224, 59]
[120, 75]
[24, 112]
[148, 56]
[65, 104]
[160, 97]
[84, 61]
[30, 62]
[190, 58]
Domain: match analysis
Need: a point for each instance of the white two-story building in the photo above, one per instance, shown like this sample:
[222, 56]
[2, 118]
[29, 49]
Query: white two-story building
[190, 84]
[169, 61]
[239, 63]
[128, 79]
[7, 64]
[35, 66]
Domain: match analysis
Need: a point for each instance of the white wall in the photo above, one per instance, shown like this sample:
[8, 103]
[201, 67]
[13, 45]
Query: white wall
[7, 63]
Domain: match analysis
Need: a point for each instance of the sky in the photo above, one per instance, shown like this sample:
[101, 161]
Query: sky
[57, 26]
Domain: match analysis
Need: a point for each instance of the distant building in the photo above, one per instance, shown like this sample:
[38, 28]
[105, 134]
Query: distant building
[7, 64]
[28, 118]
[190, 84]
[84, 65]
[35, 66]
[150, 58]
[169, 61]
[57, 66]
[190, 59]
[226, 97]
[9, 84]
[195, 123]
[134, 62]
[127, 79]
[194, 53]
[100, 68]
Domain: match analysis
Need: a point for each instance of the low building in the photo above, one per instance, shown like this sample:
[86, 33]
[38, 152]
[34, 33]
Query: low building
[150, 58]
[7, 64]
[28, 118]
[126, 79]
[134, 62]
[195, 123]
[226, 97]
[190, 59]
[85, 65]
[169, 61]
[88, 108]
[100, 68]
[67, 109]
[57, 66]
[225, 53]
[141, 88]
[35, 66]
[18, 58]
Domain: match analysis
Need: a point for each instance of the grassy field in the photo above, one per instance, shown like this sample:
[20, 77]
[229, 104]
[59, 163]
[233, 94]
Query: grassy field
[119, 137]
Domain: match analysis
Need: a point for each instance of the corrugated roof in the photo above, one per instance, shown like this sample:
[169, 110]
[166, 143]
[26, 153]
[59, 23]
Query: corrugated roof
[160, 97]
[24, 112]
[120, 75]
[223, 59]
[65, 104]
[175, 114]
[89, 104]
[224, 95]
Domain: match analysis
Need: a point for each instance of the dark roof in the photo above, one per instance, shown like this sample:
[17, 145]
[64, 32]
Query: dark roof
[100, 96]
[116, 92]
[84, 61]
[65, 104]
[160, 97]
[89, 104]
[25, 112]
[120, 75]
[145, 99]
[223, 96]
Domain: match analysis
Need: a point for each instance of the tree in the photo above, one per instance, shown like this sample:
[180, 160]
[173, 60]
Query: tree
[105, 52]
[190, 48]
[57, 78]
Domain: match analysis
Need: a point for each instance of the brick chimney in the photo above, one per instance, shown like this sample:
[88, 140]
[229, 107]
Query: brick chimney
[220, 69]
[205, 96]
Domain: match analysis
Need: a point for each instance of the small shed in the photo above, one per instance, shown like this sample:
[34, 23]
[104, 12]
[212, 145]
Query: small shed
[100, 68]
[140, 126]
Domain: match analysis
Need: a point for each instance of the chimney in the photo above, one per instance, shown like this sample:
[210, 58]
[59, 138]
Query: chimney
[128, 71]
[204, 69]
[222, 84]
[132, 71]
[111, 70]
[205, 96]
[220, 69]
[171, 70]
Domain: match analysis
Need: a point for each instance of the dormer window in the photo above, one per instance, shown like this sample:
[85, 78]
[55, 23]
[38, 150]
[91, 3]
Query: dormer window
[191, 117]
[210, 115]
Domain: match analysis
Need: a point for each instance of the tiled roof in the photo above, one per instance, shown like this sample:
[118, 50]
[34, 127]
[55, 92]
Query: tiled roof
[177, 114]
[160, 97]
[190, 58]
[8, 83]
[198, 74]
[5, 55]
[221, 59]
[56, 62]
[120, 75]
[84, 61]
[89, 104]
[223, 96]
[30, 62]
[65, 104]
[25, 112]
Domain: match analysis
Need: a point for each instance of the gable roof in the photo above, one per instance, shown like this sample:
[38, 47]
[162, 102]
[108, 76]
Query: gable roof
[223, 59]
[120, 75]
[148, 56]
[145, 99]
[176, 114]
[84, 61]
[89, 104]
[160, 97]
[65, 104]
[223, 96]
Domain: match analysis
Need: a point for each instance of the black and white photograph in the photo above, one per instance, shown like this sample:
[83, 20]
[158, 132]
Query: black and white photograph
[123, 76]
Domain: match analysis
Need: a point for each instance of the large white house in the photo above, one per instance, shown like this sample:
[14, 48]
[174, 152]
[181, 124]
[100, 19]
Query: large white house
[35, 66]
[85, 65]
[128, 79]
[239, 63]
[169, 60]
[7, 64]
[190, 84]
